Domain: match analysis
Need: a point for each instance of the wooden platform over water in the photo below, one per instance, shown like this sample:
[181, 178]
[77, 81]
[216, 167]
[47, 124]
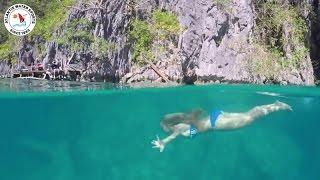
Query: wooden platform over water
[35, 74]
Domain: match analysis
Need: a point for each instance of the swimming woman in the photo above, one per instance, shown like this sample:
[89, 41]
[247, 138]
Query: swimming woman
[190, 124]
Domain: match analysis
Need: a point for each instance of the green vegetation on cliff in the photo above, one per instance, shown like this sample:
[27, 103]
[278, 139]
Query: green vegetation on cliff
[166, 24]
[279, 37]
[5, 45]
[3, 33]
[77, 37]
[161, 25]
[50, 15]
[223, 4]
[142, 38]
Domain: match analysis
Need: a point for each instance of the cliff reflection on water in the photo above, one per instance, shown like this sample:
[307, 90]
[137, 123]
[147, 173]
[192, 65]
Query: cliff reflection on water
[15, 85]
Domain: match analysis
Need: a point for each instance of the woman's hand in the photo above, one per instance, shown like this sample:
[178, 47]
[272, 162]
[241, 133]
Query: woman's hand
[158, 144]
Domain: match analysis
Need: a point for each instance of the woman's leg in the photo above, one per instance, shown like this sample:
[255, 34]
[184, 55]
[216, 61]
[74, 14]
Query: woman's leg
[263, 110]
[229, 121]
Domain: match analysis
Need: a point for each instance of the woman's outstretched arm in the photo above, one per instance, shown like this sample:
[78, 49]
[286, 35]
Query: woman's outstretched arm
[179, 129]
[162, 143]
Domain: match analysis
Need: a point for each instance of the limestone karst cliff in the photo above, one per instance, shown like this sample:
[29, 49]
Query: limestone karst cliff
[186, 41]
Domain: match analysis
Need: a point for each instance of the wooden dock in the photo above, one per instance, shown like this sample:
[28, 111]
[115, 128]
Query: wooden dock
[35, 74]
[64, 72]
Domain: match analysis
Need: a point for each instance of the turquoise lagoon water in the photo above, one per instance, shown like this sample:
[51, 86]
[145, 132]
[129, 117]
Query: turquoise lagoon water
[102, 132]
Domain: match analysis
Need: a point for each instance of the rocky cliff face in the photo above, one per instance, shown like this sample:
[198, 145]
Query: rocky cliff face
[108, 22]
[216, 43]
[211, 46]
[5, 69]
[315, 37]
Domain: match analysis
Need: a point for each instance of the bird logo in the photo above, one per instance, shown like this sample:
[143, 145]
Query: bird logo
[19, 19]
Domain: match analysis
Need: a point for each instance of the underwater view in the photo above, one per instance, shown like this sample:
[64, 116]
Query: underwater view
[106, 133]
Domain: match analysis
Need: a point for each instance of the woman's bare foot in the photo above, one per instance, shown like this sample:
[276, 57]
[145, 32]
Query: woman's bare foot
[283, 106]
